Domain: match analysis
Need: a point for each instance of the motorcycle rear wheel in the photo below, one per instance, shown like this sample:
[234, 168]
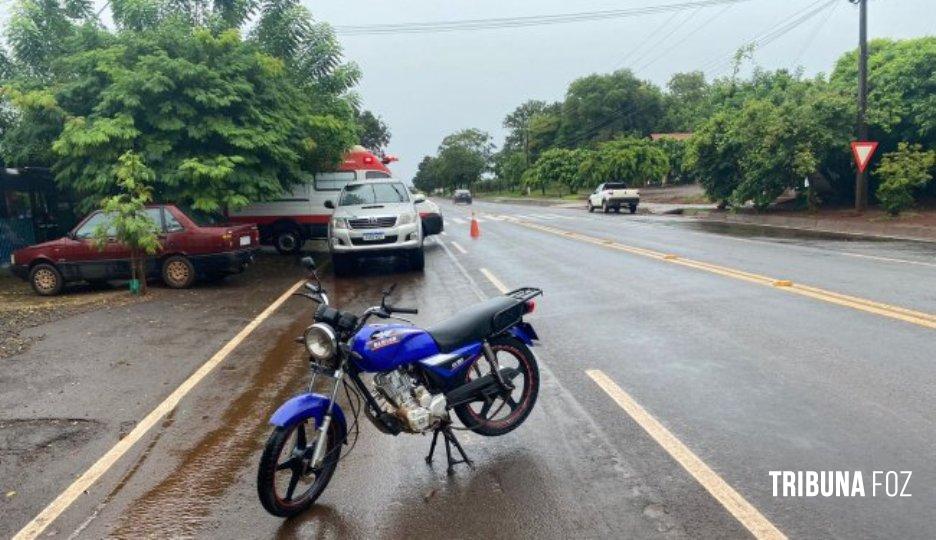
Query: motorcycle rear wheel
[275, 464]
[503, 414]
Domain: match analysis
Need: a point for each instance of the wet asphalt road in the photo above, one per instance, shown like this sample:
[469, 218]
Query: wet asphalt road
[749, 378]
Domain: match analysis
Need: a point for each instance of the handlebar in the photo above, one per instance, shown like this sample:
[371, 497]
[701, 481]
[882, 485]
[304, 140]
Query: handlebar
[410, 311]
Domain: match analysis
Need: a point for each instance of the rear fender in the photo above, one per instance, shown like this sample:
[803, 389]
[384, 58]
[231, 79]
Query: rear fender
[305, 406]
[524, 332]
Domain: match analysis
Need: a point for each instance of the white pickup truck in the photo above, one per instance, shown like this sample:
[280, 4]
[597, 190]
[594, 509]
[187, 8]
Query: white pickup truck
[613, 195]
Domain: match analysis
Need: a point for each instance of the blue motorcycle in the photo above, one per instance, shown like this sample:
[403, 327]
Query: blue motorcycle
[477, 364]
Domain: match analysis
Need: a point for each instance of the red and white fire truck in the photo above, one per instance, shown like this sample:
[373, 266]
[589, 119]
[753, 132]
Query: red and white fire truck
[301, 215]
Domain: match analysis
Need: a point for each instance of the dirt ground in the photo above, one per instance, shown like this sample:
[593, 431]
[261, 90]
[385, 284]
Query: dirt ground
[21, 308]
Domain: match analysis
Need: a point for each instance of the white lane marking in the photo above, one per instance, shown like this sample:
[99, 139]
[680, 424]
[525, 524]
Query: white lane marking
[498, 284]
[459, 248]
[738, 506]
[813, 249]
[885, 259]
[479, 220]
[459, 221]
[444, 233]
[493, 217]
[45, 518]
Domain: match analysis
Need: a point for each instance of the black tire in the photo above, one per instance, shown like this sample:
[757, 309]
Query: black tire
[270, 465]
[633, 208]
[617, 209]
[178, 272]
[46, 280]
[288, 241]
[417, 259]
[478, 421]
[590, 207]
[342, 264]
[604, 207]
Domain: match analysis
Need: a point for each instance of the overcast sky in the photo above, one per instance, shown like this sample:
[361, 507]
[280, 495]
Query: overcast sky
[426, 86]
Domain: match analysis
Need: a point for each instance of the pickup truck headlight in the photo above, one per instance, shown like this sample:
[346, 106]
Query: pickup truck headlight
[339, 223]
[406, 219]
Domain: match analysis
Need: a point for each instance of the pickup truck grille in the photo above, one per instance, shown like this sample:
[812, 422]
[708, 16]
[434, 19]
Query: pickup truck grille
[372, 223]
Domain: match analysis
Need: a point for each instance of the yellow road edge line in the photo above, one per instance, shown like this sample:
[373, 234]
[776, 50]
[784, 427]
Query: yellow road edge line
[498, 284]
[920, 318]
[45, 518]
[731, 500]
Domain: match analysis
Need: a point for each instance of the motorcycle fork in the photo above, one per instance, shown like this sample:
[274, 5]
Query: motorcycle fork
[318, 455]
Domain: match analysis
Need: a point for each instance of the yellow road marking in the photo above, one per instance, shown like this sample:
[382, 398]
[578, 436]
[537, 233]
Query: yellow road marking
[734, 503]
[38, 524]
[457, 246]
[920, 318]
[498, 284]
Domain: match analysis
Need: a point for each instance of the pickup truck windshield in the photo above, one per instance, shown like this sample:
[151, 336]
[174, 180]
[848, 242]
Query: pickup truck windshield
[377, 193]
[616, 185]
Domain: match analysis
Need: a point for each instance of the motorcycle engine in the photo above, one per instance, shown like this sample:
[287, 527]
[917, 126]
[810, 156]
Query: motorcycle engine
[418, 409]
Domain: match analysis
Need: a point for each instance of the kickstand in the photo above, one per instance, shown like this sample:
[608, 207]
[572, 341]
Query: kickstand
[450, 440]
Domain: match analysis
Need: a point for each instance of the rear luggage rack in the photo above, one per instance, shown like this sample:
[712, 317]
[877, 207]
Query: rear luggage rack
[524, 293]
[507, 317]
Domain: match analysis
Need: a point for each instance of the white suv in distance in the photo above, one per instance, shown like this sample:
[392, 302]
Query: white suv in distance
[377, 219]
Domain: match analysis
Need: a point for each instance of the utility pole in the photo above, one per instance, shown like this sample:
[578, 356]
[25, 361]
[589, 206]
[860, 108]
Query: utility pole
[861, 178]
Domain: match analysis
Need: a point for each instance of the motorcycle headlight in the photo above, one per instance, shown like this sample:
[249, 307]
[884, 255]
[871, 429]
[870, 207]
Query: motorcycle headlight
[321, 342]
[339, 223]
[406, 219]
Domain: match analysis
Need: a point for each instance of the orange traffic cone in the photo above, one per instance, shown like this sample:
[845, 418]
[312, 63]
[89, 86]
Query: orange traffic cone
[475, 230]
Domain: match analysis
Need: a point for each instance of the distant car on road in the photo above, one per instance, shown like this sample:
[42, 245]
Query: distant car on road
[188, 250]
[612, 196]
[461, 195]
[375, 218]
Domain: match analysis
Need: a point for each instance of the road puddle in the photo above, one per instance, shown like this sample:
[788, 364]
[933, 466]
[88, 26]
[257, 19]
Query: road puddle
[178, 505]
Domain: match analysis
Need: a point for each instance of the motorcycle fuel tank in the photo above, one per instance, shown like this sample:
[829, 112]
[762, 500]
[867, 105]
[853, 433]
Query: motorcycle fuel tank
[388, 346]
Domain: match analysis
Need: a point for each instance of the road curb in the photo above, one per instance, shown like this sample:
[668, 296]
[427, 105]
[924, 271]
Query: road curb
[870, 230]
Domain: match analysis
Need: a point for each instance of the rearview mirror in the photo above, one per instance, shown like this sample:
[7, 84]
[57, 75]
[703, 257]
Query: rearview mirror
[330, 205]
[419, 198]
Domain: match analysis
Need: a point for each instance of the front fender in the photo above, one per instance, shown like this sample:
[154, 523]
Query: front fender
[305, 406]
[524, 332]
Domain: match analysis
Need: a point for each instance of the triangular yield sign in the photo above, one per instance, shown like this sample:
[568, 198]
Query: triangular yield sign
[862, 152]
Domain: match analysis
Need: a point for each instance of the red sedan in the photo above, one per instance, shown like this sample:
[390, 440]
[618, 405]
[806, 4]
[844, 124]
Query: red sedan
[188, 250]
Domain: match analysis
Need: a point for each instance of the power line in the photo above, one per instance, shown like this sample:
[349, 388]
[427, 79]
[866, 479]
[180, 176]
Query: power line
[772, 34]
[661, 39]
[806, 44]
[643, 42]
[521, 22]
[691, 33]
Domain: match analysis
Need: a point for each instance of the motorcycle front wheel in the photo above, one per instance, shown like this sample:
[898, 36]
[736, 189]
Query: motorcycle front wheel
[504, 413]
[285, 482]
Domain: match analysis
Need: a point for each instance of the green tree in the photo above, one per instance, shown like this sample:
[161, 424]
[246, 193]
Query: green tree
[219, 122]
[602, 107]
[902, 89]
[629, 160]
[687, 101]
[902, 172]
[128, 222]
[372, 132]
[561, 166]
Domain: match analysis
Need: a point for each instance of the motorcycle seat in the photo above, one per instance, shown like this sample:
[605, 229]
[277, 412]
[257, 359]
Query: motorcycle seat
[475, 323]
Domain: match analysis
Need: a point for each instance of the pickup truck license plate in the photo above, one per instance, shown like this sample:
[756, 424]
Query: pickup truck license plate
[245, 240]
[371, 236]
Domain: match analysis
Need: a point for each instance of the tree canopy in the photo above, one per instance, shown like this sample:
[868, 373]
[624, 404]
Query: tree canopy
[226, 102]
